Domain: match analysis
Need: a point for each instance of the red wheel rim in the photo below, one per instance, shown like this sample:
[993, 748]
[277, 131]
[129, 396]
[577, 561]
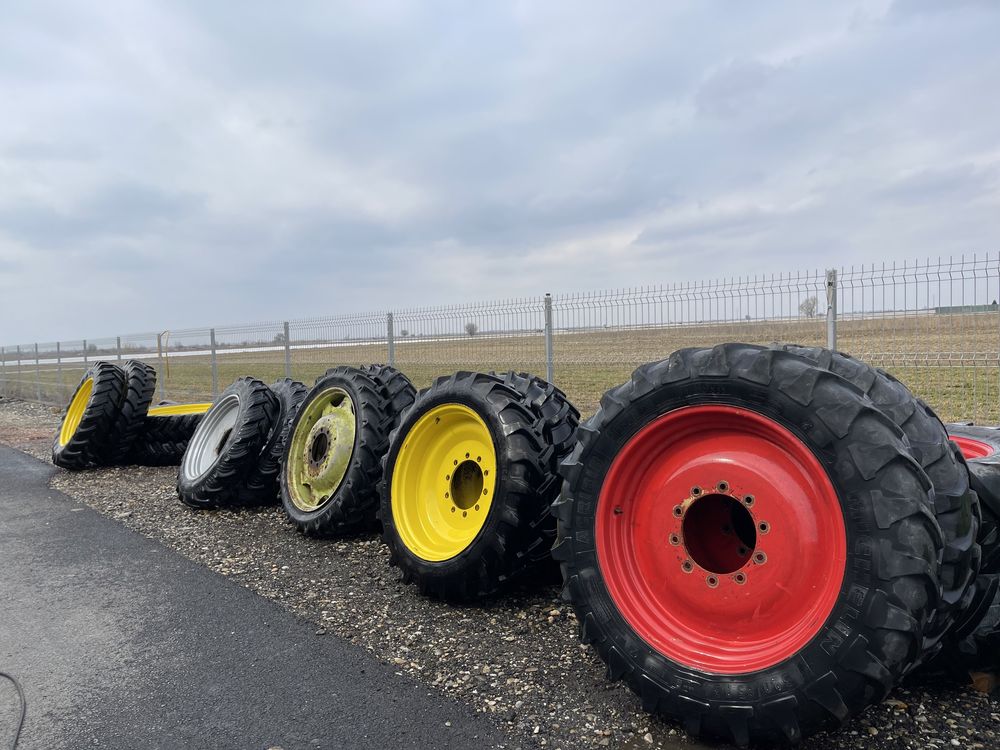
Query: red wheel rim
[673, 531]
[972, 448]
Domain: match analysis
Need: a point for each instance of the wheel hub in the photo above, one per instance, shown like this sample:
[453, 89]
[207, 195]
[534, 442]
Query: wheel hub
[321, 449]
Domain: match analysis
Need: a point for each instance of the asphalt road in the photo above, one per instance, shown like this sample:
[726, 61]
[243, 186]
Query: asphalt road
[121, 643]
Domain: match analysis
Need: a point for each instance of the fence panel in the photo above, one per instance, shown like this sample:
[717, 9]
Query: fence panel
[317, 344]
[934, 324]
[505, 335]
[599, 338]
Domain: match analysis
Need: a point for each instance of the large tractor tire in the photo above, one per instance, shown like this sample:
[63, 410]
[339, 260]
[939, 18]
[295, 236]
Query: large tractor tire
[748, 542]
[263, 483]
[330, 468]
[85, 436]
[956, 504]
[140, 385]
[981, 448]
[467, 488]
[227, 446]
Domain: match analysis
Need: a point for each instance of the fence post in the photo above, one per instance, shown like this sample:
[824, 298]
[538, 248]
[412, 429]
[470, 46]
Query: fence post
[85, 351]
[288, 353]
[215, 366]
[159, 367]
[3, 371]
[390, 340]
[38, 375]
[62, 383]
[20, 388]
[550, 365]
[831, 308]
[118, 348]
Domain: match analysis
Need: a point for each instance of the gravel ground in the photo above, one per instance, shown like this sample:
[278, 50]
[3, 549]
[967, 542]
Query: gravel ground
[517, 659]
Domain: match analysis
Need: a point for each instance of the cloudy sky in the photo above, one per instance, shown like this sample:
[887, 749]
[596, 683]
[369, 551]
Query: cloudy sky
[169, 164]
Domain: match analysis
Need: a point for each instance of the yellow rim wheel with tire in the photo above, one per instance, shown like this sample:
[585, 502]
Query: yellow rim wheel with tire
[74, 414]
[443, 482]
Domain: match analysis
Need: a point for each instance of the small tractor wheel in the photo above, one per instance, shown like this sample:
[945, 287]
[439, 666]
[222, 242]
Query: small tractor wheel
[262, 483]
[330, 467]
[140, 385]
[981, 448]
[227, 445]
[467, 488]
[86, 433]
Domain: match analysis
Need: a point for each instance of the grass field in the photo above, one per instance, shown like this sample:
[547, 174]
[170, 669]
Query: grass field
[952, 361]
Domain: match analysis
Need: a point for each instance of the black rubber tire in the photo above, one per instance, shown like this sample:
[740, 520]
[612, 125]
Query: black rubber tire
[974, 644]
[984, 474]
[224, 483]
[140, 381]
[262, 483]
[956, 504]
[517, 532]
[874, 633]
[353, 507]
[170, 428]
[396, 387]
[158, 454]
[556, 415]
[91, 442]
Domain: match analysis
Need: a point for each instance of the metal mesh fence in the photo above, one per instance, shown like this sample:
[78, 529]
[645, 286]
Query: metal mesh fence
[933, 324]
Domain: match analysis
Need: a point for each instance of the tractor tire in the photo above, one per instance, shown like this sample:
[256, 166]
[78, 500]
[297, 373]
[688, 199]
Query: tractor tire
[226, 446]
[85, 436]
[262, 483]
[158, 454]
[981, 448]
[956, 504]
[748, 543]
[974, 645]
[397, 389]
[330, 468]
[467, 489]
[140, 382]
[556, 415]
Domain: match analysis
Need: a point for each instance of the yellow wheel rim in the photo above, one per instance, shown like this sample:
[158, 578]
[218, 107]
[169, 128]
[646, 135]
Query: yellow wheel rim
[443, 482]
[74, 414]
[178, 409]
[321, 449]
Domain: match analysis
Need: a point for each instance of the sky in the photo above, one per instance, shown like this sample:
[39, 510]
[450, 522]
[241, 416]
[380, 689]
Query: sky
[174, 164]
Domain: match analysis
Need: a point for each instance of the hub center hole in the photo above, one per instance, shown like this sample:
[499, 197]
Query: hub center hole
[719, 533]
[467, 484]
[320, 445]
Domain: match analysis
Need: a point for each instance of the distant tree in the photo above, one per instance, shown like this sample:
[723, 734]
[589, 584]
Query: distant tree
[471, 328]
[808, 307]
[279, 339]
[747, 318]
[404, 333]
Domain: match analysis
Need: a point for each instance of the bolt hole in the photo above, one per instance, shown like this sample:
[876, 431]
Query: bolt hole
[723, 486]
[740, 578]
[618, 510]
[764, 527]
[479, 458]
[760, 558]
[695, 491]
[686, 566]
[748, 500]
[675, 540]
[466, 455]
[447, 494]
[712, 581]
[678, 511]
[477, 507]
[465, 513]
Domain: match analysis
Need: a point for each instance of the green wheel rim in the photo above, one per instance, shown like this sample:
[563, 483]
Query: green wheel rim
[321, 449]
